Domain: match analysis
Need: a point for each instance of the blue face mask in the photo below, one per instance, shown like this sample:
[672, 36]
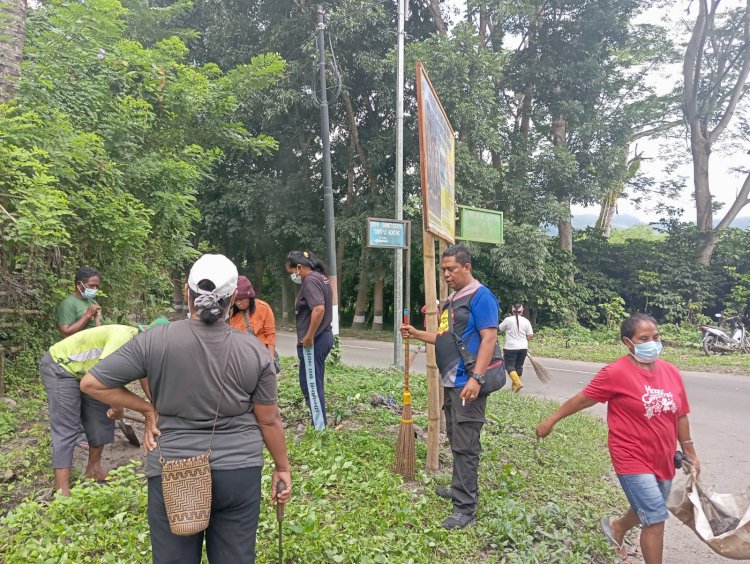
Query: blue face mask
[647, 352]
[88, 293]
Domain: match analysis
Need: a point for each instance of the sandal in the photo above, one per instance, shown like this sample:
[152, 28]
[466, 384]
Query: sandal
[606, 527]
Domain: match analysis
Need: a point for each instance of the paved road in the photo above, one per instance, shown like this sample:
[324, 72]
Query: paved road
[720, 420]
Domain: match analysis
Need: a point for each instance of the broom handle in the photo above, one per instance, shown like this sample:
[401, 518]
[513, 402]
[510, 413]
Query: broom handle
[406, 353]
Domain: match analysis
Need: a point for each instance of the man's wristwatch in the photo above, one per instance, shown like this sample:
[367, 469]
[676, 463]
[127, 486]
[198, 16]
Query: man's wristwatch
[481, 378]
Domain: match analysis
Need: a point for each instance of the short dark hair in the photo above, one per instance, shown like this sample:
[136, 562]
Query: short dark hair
[86, 272]
[460, 252]
[628, 327]
[305, 258]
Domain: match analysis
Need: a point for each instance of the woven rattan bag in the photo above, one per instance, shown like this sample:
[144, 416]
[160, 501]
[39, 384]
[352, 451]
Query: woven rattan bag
[186, 483]
[186, 486]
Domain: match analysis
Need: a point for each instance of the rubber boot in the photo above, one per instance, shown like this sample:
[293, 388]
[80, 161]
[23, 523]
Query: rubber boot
[517, 384]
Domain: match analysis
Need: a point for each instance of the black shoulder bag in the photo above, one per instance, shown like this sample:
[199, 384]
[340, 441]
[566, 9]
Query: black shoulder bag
[495, 375]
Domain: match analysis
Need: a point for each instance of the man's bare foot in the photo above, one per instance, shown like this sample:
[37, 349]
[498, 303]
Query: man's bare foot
[96, 473]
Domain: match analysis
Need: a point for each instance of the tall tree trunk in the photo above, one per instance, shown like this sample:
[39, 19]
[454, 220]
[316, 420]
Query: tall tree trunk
[12, 36]
[345, 212]
[178, 296]
[259, 272]
[377, 321]
[351, 121]
[709, 103]
[701, 152]
[608, 209]
[616, 189]
[284, 302]
[363, 289]
[434, 6]
[360, 310]
[564, 227]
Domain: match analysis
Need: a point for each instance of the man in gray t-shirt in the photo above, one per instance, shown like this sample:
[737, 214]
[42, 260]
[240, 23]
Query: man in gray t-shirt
[185, 385]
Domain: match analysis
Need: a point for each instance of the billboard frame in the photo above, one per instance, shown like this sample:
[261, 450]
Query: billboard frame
[437, 231]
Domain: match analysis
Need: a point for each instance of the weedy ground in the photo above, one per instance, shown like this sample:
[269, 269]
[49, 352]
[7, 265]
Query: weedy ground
[539, 502]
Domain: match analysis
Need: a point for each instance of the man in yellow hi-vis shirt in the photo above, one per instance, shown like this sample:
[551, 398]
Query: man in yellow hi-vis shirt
[62, 368]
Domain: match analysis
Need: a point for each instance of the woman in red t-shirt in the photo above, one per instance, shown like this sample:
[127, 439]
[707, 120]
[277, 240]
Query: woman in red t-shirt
[647, 414]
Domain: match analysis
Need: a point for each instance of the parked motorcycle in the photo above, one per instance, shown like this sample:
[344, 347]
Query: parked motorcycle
[717, 341]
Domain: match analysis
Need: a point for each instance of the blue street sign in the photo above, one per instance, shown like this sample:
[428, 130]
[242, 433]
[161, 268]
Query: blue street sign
[386, 233]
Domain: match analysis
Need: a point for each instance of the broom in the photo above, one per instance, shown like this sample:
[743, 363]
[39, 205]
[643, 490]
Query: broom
[541, 372]
[405, 454]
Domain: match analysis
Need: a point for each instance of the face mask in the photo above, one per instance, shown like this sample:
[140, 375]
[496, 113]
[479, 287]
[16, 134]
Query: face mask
[296, 277]
[647, 352]
[88, 293]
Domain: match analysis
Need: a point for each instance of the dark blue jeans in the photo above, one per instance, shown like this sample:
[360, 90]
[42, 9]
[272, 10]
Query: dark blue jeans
[322, 345]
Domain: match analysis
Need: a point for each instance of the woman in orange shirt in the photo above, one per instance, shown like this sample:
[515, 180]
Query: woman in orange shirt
[253, 315]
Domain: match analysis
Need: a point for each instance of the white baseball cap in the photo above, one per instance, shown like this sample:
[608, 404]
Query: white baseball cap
[219, 270]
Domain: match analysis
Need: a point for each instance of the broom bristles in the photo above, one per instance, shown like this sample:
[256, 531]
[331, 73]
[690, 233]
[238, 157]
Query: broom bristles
[541, 372]
[405, 452]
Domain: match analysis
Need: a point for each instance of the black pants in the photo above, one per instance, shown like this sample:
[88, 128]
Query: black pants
[463, 424]
[322, 346]
[514, 360]
[230, 536]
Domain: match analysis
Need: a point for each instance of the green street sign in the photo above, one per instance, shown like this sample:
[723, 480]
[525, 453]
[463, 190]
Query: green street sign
[482, 226]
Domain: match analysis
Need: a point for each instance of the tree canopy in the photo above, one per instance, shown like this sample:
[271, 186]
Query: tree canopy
[143, 132]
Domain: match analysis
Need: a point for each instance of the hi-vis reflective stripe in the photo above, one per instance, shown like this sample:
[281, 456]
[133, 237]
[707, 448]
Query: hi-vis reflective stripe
[85, 356]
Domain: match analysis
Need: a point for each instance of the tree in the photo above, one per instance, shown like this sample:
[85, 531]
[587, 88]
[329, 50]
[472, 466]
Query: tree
[567, 76]
[12, 36]
[715, 72]
[105, 151]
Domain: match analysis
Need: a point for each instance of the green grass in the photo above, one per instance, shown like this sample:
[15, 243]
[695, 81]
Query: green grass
[605, 348]
[385, 336]
[540, 502]
[682, 347]
[24, 434]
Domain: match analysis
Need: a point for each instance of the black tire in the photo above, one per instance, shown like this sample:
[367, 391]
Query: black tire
[708, 345]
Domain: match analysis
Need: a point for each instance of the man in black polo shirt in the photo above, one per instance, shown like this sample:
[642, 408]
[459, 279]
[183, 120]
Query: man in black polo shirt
[472, 311]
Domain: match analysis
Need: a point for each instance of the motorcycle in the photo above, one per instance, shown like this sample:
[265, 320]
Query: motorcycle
[717, 341]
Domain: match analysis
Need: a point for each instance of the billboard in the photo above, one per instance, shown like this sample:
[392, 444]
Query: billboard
[480, 225]
[437, 157]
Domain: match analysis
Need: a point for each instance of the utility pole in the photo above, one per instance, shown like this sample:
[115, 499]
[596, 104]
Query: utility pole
[400, 302]
[325, 135]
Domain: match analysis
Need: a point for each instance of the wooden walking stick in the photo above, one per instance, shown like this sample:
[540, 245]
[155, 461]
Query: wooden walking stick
[405, 453]
[280, 487]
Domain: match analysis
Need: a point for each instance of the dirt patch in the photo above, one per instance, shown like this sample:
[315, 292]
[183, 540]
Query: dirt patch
[117, 454]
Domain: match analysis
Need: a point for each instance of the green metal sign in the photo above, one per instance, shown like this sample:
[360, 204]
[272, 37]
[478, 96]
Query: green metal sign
[482, 226]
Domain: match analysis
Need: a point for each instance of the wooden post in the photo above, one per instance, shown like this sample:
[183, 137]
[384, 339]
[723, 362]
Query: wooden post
[434, 384]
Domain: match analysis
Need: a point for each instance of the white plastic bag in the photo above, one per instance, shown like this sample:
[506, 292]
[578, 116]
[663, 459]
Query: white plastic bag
[722, 521]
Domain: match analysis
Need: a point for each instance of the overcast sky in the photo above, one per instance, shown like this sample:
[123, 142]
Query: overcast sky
[724, 183]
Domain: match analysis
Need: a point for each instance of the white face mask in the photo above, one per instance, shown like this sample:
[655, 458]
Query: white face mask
[296, 277]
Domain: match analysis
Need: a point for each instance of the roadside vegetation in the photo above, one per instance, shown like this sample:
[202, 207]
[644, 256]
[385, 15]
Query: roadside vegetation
[682, 348]
[602, 344]
[540, 502]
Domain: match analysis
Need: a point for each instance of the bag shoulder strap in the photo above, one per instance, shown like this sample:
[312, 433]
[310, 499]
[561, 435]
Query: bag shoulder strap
[248, 325]
[468, 356]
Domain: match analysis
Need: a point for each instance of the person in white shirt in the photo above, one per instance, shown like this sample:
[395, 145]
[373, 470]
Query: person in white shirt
[518, 332]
